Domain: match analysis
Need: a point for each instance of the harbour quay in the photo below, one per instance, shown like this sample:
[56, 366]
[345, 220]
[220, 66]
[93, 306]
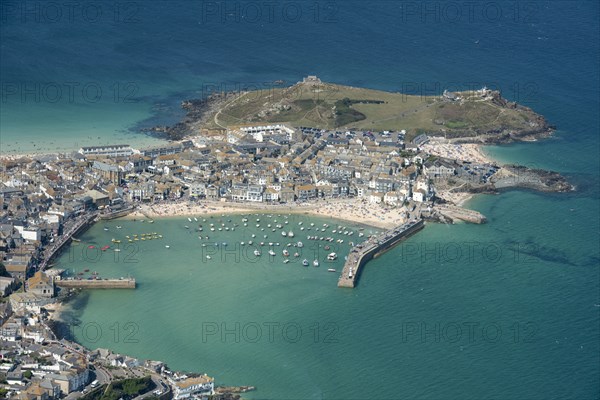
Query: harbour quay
[125, 283]
[374, 246]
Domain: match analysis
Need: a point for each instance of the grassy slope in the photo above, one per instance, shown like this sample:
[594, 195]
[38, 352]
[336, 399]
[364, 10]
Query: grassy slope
[310, 107]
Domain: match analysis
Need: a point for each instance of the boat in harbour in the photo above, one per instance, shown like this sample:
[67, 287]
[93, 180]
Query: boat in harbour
[315, 263]
[305, 262]
[332, 256]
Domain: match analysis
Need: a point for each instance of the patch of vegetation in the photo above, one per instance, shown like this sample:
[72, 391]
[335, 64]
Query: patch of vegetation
[345, 114]
[124, 389]
[457, 124]
[3, 271]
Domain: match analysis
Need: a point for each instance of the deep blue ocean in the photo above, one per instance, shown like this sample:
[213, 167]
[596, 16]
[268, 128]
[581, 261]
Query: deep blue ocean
[96, 72]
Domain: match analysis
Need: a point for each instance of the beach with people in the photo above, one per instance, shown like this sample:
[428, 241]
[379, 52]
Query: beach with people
[460, 151]
[353, 210]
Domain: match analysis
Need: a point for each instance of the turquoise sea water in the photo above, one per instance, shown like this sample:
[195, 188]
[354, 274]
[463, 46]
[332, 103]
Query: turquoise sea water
[508, 309]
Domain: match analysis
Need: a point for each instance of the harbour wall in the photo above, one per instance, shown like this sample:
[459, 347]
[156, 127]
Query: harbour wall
[375, 246]
[96, 283]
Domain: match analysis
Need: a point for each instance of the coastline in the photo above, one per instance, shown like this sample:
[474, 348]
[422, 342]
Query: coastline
[350, 210]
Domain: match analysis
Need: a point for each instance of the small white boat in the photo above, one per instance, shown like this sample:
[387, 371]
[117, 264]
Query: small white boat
[117, 249]
[296, 255]
[195, 219]
[331, 269]
[250, 242]
[283, 233]
[167, 246]
[332, 256]
[300, 244]
[286, 261]
[189, 219]
[286, 253]
[305, 262]
[290, 234]
[271, 253]
[208, 257]
[242, 243]
[257, 253]
[315, 263]
[118, 226]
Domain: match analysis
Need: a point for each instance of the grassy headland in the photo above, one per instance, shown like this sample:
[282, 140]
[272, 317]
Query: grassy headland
[477, 115]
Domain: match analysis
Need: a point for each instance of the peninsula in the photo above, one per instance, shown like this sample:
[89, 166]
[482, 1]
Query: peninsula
[384, 159]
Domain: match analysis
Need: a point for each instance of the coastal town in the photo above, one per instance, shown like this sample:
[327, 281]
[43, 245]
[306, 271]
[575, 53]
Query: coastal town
[382, 178]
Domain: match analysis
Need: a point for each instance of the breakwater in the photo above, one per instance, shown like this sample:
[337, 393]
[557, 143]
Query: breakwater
[463, 214]
[374, 246]
[128, 283]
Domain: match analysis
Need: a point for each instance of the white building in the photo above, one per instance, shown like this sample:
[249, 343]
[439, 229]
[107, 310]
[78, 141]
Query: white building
[31, 234]
[391, 198]
[189, 386]
[115, 150]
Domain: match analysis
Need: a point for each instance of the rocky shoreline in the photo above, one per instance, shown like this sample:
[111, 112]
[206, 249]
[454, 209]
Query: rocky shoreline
[198, 112]
[518, 176]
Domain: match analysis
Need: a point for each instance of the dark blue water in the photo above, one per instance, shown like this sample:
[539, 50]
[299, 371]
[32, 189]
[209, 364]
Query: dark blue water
[149, 55]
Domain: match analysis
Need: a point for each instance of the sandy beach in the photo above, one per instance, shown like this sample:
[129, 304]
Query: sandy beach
[352, 210]
[456, 198]
[462, 152]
